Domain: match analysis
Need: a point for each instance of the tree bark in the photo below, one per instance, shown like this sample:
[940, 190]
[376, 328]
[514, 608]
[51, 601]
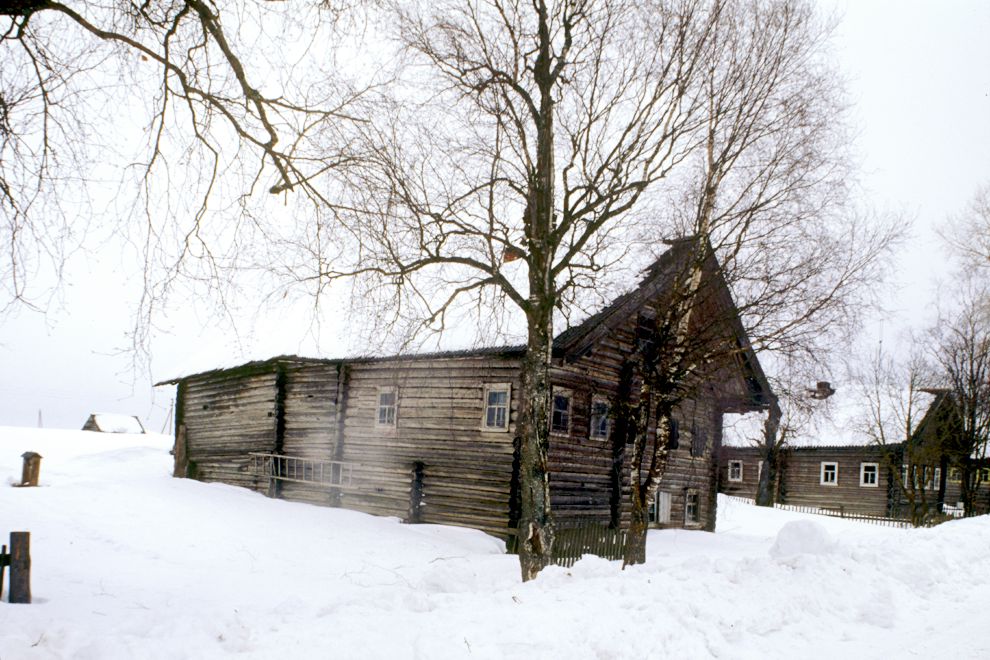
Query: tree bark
[635, 552]
[766, 493]
[536, 522]
[968, 488]
[535, 527]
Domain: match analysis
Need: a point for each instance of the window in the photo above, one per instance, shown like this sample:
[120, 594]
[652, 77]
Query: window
[646, 331]
[659, 508]
[388, 398]
[869, 475]
[560, 417]
[698, 441]
[735, 470]
[599, 418]
[984, 474]
[938, 479]
[497, 398]
[830, 474]
[905, 481]
[691, 513]
[955, 475]
[673, 433]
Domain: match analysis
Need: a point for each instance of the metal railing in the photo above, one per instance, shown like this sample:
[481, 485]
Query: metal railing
[277, 467]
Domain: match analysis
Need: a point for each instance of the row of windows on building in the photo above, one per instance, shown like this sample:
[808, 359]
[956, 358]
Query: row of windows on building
[920, 476]
[497, 397]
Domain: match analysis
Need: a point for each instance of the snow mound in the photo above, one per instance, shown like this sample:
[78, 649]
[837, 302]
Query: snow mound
[802, 537]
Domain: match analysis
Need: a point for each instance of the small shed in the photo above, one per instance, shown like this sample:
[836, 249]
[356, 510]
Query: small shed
[113, 423]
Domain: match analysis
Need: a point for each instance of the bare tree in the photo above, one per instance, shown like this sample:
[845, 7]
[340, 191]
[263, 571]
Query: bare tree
[210, 84]
[897, 397]
[504, 169]
[960, 348]
[766, 203]
[969, 234]
[516, 166]
[792, 410]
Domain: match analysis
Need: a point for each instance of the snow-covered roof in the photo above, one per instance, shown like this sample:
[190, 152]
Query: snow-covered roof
[113, 423]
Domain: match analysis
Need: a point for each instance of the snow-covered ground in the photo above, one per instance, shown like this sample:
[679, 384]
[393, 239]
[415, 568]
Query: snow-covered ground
[131, 563]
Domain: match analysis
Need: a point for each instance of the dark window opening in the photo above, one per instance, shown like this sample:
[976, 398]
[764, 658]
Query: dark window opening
[560, 420]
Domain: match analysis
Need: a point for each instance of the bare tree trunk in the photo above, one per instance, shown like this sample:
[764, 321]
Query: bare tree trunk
[639, 523]
[967, 489]
[535, 521]
[766, 493]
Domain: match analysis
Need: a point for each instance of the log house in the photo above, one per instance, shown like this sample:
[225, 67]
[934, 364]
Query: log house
[430, 438]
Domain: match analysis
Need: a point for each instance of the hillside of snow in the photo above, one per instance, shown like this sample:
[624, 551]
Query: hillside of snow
[131, 563]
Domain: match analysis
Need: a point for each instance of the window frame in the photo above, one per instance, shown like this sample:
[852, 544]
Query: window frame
[699, 442]
[835, 474]
[955, 475]
[569, 395]
[593, 428]
[486, 406]
[658, 509]
[740, 476]
[689, 519]
[387, 389]
[863, 483]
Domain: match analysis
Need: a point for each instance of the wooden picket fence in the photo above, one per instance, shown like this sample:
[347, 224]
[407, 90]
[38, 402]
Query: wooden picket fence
[574, 541]
[840, 512]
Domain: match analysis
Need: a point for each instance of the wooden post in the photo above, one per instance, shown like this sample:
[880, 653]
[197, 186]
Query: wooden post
[20, 567]
[3, 566]
[181, 458]
[32, 468]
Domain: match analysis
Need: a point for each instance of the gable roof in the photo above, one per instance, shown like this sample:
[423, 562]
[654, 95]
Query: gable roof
[660, 277]
[575, 340]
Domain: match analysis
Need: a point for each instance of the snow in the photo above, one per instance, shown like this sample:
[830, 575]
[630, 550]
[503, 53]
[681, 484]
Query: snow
[129, 562]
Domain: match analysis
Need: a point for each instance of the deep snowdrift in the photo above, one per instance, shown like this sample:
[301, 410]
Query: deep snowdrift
[130, 563]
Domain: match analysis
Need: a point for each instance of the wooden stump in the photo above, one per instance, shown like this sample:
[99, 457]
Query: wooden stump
[32, 468]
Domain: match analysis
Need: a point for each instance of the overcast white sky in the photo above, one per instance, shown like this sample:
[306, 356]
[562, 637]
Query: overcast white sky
[919, 83]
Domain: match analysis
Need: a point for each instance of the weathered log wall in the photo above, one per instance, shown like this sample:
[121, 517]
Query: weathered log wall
[582, 487]
[750, 457]
[802, 479]
[465, 471]
[310, 411]
[227, 415]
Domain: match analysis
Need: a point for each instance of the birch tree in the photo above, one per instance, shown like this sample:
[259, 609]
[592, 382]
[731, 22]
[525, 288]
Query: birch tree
[504, 169]
[766, 203]
[528, 150]
[151, 105]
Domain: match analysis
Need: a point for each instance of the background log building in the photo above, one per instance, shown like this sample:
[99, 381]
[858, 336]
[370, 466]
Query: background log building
[870, 479]
[431, 438]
